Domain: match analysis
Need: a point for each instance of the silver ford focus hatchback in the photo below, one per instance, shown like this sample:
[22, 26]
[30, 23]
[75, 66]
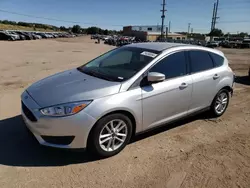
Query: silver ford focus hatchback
[126, 91]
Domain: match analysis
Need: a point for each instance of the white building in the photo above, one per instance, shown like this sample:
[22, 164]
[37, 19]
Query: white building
[150, 32]
[148, 28]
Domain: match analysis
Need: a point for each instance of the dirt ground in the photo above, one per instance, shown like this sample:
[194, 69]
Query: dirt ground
[197, 152]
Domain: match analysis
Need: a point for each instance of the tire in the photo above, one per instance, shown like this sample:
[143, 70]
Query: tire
[112, 146]
[215, 111]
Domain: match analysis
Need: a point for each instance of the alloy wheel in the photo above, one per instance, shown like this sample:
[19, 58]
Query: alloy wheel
[221, 103]
[113, 135]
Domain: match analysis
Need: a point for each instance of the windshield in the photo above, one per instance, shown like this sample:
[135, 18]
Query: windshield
[119, 64]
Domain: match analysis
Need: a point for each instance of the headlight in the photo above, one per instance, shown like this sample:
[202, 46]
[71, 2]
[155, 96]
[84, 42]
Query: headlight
[65, 109]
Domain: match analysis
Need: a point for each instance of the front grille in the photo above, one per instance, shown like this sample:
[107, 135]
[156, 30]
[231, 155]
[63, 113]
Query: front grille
[28, 113]
[60, 140]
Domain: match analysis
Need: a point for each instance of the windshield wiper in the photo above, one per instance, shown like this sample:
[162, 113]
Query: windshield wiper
[94, 73]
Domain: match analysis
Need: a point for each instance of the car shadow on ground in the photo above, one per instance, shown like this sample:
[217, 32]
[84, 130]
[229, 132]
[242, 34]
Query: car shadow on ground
[18, 147]
[163, 128]
[245, 80]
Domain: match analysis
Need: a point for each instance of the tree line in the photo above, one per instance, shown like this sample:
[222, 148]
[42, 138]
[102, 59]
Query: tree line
[33, 25]
[96, 30]
[215, 33]
[75, 29]
[93, 30]
[219, 33]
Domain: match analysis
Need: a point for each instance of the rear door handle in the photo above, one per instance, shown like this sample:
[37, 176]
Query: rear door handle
[183, 86]
[216, 76]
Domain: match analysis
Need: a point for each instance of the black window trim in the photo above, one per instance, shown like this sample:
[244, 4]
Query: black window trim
[136, 83]
[190, 61]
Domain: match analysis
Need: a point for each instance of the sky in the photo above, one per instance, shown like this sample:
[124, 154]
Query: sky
[234, 15]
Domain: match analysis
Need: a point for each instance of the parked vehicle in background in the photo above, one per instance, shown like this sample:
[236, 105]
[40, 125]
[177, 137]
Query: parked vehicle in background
[22, 37]
[95, 36]
[30, 35]
[5, 36]
[55, 35]
[212, 44]
[35, 36]
[126, 91]
[26, 35]
[245, 43]
[225, 44]
[13, 34]
[43, 35]
[48, 35]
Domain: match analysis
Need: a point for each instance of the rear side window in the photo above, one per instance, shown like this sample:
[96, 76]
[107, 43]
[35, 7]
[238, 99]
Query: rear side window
[218, 60]
[200, 61]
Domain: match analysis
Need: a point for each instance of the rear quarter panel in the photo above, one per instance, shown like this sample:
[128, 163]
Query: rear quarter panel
[227, 76]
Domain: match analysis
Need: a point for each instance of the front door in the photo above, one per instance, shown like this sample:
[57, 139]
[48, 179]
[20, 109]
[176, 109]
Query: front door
[170, 99]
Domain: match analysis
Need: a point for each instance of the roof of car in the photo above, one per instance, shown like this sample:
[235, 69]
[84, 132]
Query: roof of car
[158, 46]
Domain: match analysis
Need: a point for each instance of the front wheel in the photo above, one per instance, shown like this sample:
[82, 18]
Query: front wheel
[110, 135]
[220, 103]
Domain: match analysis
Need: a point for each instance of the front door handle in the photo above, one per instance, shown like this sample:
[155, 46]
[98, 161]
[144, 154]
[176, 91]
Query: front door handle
[183, 86]
[216, 76]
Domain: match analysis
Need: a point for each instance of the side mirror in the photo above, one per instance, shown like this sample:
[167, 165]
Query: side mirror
[154, 77]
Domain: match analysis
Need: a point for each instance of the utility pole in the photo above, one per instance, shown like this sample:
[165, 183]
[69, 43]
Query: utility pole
[167, 32]
[189, 24]
[215, 14]
[169, 26]
[162, 18]
[212, 23]
[215, 17]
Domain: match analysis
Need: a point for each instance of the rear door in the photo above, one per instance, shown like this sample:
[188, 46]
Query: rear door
[204, 78]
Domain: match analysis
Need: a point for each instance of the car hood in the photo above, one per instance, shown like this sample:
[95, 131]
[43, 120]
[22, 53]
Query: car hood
[70, 86]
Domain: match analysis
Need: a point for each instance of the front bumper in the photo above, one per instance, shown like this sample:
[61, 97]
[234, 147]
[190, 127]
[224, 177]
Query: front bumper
[50, 130]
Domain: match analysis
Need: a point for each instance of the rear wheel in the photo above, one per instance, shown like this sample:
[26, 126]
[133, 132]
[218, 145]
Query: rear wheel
[110, 135]
[220, 103]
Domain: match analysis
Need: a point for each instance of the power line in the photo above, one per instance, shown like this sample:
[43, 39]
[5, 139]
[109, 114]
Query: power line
[94, 24]
[32, 16]
[240, 21]
[53, 19]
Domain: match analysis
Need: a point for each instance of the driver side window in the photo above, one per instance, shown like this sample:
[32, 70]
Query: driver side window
[172, 66]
